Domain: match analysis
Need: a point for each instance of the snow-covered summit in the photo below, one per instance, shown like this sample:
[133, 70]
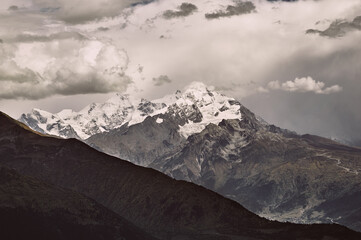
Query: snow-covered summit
[213, 107]
[198, 106]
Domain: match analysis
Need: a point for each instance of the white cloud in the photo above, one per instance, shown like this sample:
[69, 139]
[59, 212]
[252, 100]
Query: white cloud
[243, 51]
[230, 53]
[6, 4]
[65, 66]
[303, 85]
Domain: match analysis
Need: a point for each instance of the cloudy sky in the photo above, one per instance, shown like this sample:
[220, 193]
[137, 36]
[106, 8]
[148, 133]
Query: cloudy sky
[296, 64]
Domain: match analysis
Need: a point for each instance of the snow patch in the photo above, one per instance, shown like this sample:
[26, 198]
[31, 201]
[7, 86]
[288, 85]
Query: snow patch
[159, 120]
[214, 108]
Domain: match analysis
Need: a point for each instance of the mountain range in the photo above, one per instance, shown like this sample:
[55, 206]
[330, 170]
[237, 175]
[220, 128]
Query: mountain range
[204, 137]
[46, 179]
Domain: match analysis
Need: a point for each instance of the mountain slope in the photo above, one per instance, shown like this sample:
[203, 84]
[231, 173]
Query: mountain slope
[271, 171]
[31, 209]
[161, 205]
[288, 178]
[210, 139]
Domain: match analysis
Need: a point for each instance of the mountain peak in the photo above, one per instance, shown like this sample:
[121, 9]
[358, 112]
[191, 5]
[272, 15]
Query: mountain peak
[119, 98]
[6, 122]
[198, 105]
[197, 86]
[201, 106]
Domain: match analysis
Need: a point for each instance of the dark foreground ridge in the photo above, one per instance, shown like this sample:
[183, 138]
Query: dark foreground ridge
[162, 206]
[31, 209]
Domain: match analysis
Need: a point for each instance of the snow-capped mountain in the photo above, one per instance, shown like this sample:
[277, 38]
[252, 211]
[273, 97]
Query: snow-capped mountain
[202, 136]
[94, 118]
[196, 107]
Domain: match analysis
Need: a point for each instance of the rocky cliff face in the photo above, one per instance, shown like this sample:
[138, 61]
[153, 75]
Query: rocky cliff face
[213, 140]
[163, 206]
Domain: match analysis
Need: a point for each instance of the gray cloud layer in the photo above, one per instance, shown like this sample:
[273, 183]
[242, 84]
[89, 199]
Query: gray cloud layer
[13, 8]
[185, 9]
[232, 10]
[28, 38]
[162, 79]
[332, 115]
[81, 11]
[338, 28]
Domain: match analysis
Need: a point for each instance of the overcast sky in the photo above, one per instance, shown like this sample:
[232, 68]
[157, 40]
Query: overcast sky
[57, 54]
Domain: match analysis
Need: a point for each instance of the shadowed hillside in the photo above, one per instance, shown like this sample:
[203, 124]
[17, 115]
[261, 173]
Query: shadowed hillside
[162, 206]
[31, 209]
